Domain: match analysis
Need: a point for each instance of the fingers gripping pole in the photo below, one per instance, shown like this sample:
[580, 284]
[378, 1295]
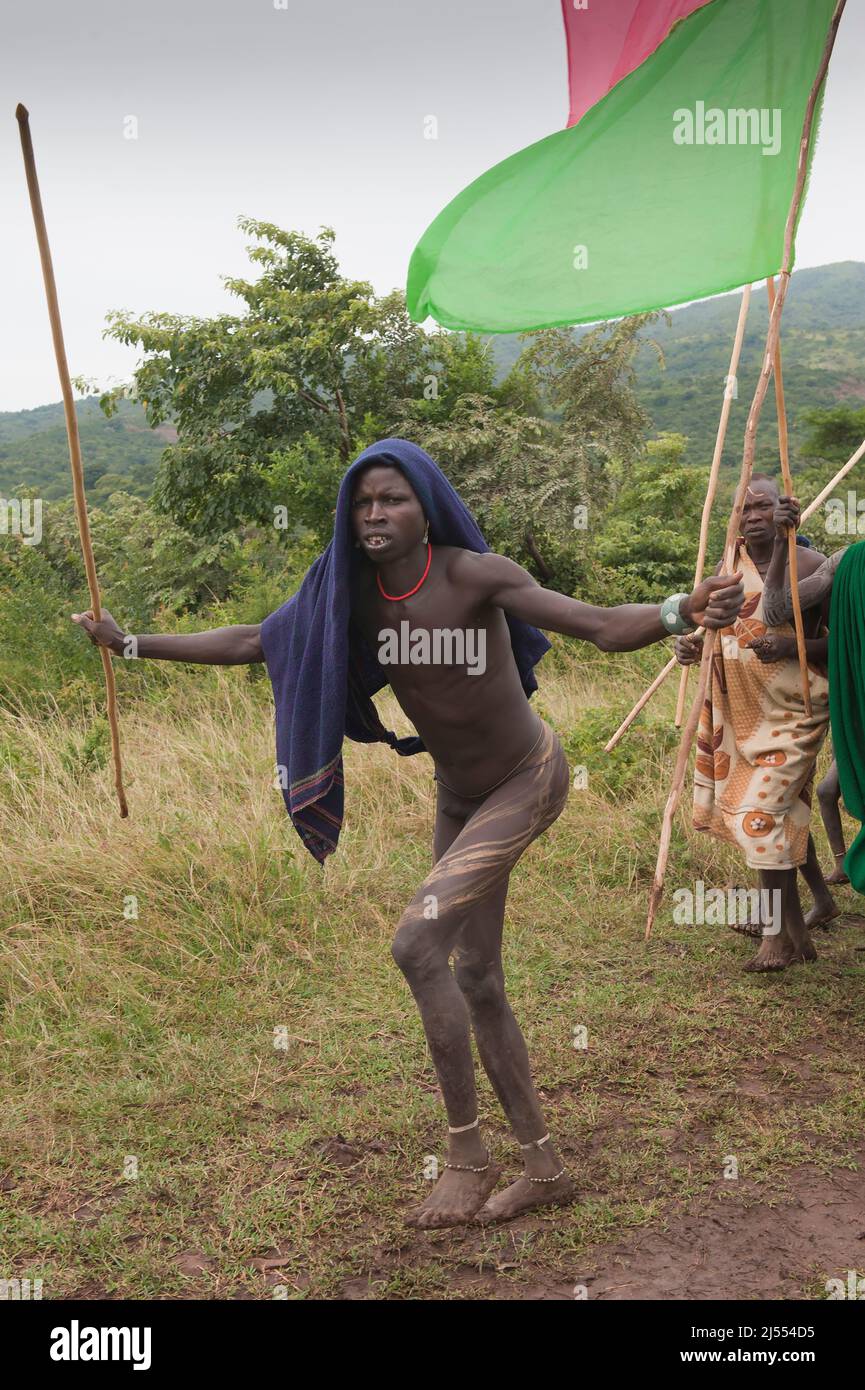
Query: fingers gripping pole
[22, 117]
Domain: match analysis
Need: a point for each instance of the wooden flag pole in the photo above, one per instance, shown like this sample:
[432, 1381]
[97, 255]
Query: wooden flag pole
[714, 471]
[730, 546]
[792, 547]
[772, 341]
[22, 116]
[672, 663]
[785, 273]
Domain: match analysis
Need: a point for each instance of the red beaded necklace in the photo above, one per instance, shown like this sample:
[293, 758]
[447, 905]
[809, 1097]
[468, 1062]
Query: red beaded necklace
[395, 598]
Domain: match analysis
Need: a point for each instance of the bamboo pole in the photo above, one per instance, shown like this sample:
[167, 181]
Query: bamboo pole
[792, 547]
[22, 116]
[713, 473]
[730, 547]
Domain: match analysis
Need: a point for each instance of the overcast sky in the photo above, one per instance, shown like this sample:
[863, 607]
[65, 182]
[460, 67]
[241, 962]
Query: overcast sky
[305, 115]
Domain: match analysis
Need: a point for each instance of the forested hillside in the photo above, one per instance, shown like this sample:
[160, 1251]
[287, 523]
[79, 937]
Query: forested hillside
[680, 389]
[120, 454]
[823, 356]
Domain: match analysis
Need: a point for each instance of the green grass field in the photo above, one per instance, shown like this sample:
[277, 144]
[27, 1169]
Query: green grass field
[228, 1095]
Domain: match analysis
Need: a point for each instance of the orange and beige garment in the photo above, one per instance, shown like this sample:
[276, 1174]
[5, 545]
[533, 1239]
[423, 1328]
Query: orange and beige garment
[756, 749]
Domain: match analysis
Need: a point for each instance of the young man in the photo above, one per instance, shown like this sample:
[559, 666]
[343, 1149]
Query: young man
[756, 747]
[407, 593]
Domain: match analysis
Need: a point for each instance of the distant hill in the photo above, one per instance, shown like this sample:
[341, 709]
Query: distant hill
[823, 349]
[824, 365]
[119, 454]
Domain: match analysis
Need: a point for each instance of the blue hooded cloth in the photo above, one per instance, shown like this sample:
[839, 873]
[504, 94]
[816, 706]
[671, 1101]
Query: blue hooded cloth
[322, 670]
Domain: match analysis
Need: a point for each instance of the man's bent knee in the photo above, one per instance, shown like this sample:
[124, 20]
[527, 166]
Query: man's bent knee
[481, 982]
[416, 952]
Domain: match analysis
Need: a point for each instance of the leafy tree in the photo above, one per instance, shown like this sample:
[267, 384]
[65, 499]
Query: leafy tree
[506, 467]
[311, 356]
[529, 454]
[588, 384]
[648, 539]
[145, 563]
[834, 434]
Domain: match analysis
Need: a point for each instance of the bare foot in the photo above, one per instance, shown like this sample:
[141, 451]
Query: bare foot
[822, 913]
[746, 928]
[454, 1199]
[742, 928]
[777, 954]
[523, 1195]
[838, 876]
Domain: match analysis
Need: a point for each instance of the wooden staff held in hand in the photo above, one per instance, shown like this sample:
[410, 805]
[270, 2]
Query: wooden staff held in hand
[22, 116]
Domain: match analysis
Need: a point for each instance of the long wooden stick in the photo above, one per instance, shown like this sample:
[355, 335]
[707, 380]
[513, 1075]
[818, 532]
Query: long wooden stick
[641, 703]
[830, 487]
[792, 547]
[805, 142]
[730, 547]
[22, 116]
[714, 471]
[672, 663]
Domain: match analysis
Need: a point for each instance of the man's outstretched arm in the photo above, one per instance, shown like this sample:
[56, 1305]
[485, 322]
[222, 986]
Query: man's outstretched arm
[714, 603]
[223, 646]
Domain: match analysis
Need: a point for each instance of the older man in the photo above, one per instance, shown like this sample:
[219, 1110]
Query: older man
[757, 748]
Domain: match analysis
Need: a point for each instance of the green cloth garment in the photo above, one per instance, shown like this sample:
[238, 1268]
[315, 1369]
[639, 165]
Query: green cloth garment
[847, 695]
[674, 186]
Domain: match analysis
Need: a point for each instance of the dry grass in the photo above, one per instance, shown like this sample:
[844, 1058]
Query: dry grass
[149, 1039]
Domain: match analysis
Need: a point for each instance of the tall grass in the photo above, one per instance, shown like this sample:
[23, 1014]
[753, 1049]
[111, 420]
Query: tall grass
[208, 1049]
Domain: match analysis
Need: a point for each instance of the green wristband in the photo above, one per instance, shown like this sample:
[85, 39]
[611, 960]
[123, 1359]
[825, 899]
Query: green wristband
[672, 618]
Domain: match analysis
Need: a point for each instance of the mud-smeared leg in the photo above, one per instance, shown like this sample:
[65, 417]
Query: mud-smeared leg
[829, 797]
[792, 943]
[824, 910]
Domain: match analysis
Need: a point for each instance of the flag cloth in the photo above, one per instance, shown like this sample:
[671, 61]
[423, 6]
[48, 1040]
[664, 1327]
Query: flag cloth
[676, 185]
[847, 695]
[607, 41]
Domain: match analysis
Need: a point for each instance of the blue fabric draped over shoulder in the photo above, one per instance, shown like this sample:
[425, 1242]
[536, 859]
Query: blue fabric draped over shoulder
[322, 671]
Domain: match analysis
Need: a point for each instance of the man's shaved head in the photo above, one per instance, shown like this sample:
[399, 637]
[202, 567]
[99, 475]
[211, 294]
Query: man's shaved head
[761, 482]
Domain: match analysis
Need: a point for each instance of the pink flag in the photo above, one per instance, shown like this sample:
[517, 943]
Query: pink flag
[607, 39]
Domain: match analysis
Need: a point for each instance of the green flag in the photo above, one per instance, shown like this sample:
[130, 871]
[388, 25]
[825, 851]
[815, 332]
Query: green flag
[847, 696]
[674, 186]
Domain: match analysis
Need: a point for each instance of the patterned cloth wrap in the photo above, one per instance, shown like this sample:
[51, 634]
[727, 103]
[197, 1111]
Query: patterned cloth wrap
[756, 748]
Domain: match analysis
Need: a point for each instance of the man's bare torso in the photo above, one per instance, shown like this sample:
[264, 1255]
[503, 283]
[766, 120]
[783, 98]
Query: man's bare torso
[476, 723]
